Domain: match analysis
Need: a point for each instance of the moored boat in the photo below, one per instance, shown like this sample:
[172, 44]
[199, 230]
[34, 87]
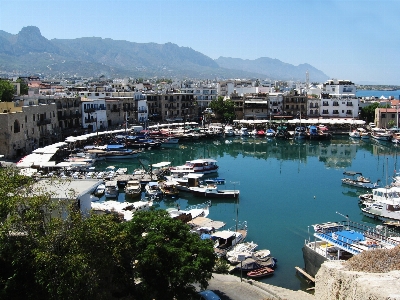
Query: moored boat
[133, 188]
[343, 240]
[100, 190]
[111, 189]
[261, 272]
[356, 179]
[203, 166]
[211, 190]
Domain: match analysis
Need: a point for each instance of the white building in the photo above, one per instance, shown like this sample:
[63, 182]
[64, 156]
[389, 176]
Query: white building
[337, 99]
[203, 93]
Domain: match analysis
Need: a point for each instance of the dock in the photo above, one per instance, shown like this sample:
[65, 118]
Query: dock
[308, 276]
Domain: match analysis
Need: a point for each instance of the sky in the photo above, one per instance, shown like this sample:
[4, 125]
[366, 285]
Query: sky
[357, 40]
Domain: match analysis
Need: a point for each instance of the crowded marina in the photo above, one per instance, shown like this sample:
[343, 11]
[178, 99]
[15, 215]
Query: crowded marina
[163, 169]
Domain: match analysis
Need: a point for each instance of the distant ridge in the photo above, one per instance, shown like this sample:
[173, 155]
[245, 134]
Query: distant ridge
[28, 52]
[273, 68]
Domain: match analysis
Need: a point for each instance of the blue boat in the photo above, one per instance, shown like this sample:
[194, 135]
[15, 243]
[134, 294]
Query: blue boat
[343, 240]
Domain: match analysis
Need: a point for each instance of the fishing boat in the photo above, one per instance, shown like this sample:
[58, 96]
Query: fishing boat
[169, 189]
[381, 134]
[260, 133]
[111, 189]
[356, 179]
[270, 132]
[261, 272]
[203, 166]
[133, 188]
[342, 240]
[212, 191]
[225, 240]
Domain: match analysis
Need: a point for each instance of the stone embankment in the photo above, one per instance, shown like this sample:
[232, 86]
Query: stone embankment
[334, 282]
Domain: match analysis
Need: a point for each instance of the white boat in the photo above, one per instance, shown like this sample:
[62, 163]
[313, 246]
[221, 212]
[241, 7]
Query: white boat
[355, 134]
[225, 240]
[343, 240]
[245, 249]
[228, 131]
[111, 189]
[133, 188]
[203, 166]
[100, 190]
[381, 134]
[184, 181]
[212, 191]
[152, 190]
[244, 131]
[356, 179]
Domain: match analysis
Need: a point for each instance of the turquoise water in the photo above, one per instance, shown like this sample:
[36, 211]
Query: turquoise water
[285, 186]
[377, 93]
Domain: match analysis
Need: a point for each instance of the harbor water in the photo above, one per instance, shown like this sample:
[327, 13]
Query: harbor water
[285, 186]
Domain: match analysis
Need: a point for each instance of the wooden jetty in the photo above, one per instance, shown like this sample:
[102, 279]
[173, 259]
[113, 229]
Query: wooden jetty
[308, 276]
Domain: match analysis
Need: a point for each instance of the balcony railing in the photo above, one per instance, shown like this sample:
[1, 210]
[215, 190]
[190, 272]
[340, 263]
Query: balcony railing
[89, 110]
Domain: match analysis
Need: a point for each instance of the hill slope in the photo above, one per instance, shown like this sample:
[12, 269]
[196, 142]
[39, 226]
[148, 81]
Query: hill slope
[29, 52]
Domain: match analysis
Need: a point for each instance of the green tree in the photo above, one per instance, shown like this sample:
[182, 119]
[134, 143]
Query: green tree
[49, 250]
[23, 87]
[368, 113]
[223, 109]
[169, 258]
[6, 91]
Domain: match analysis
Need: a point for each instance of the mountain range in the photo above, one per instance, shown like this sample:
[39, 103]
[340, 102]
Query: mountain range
[28, 53]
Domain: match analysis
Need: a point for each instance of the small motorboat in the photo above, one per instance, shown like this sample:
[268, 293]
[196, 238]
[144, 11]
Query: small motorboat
[261, 272]
[100, 190]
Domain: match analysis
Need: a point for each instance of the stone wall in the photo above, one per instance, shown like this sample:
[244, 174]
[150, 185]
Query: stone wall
[334, 282]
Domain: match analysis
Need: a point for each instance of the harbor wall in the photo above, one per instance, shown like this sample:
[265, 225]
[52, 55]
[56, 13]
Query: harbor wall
[334, 282]
[312, 261]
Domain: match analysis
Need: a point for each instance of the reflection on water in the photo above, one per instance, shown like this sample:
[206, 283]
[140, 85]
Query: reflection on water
[285, 186]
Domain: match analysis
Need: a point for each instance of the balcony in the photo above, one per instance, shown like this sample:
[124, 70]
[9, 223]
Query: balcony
[115, 109]
[89, 110]
[142, 111]
[43, 122]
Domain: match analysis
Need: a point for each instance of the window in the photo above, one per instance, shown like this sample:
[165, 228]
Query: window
[335, 103]
[335, 112]
[325, 103]
[383, 116]
[325, 111]
[16, 126]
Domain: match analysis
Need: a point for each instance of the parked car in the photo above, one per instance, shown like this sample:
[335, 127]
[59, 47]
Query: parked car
[208, 295]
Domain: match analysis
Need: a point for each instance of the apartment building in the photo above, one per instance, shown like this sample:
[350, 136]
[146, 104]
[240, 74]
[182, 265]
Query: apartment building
[338, 100]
